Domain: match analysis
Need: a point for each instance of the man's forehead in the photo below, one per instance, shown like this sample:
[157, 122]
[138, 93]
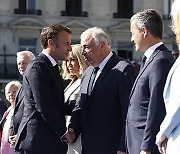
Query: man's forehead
[87, 40]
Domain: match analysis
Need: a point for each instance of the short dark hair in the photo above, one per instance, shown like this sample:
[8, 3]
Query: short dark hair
[51, 32]
[150, 19]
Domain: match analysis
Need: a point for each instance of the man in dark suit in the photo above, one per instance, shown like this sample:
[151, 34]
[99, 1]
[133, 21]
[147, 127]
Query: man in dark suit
[43, 123]
[101, 108]
[23, 59]
[146, 110]
[3, 107]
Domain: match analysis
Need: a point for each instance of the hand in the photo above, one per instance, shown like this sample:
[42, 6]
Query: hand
[161, 142]
[120, 152]
[144, 152]
[69, 136]
[163, 146]
[12, 140]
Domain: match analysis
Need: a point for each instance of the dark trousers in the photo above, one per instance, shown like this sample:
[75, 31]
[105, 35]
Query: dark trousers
[26, 152]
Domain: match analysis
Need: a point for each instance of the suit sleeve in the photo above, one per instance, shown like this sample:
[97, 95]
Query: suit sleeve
[40, 80]
[3, 108]
[11, 128]
[172, 119]
[127, 82]
[156, 108]
[75, 121]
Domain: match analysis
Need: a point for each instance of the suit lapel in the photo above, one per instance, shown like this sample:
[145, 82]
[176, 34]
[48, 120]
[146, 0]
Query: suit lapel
[58, 77]
[111, 63]
[19, 97]
[72, 88]
[173, 68]
[145, 67]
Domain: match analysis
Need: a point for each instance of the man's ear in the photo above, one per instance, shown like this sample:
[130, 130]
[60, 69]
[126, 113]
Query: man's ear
[51, 43]
[102, 44]
[145, 32]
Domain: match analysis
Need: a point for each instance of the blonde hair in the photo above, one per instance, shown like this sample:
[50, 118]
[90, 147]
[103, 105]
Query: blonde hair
[75, 53]
[175, 15]
[12, 83]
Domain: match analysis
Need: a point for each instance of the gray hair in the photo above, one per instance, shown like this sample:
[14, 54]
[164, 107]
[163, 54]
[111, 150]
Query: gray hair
[26, 53]
[150, 19]
[97, 34]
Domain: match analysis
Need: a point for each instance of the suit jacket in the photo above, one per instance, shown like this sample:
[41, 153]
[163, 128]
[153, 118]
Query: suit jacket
[3, 108]
[43, 122]
[18, 112]
[171, 124]
[71, 93]
[100, 117]
[146, 110]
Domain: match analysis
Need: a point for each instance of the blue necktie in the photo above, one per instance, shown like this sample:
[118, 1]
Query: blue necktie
[92, 78]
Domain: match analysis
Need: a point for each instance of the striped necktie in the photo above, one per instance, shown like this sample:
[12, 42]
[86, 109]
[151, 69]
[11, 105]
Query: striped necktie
[92, 78]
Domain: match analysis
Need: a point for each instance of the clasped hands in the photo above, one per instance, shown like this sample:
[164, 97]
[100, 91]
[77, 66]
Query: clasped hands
[12, 140]
[69, 136]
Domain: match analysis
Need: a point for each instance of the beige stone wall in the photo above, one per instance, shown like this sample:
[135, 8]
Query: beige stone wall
[100, 13]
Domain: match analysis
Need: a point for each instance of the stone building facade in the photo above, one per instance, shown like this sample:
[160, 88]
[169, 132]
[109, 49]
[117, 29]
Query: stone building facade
[22, 20]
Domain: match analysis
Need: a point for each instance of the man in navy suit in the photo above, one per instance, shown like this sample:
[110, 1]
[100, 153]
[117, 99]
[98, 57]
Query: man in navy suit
[101, 108]
[23, 59]
[146, 110]
[43, 123]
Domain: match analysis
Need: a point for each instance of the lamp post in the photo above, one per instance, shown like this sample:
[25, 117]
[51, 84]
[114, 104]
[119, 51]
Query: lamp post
[5, 61]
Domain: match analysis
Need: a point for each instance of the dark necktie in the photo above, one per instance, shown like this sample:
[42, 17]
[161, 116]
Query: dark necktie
[143, 60]
[56, 68]
[92, 78]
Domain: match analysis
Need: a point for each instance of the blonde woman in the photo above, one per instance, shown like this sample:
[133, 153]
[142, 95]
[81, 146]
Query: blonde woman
[168, 138]
[73, 68]
[10, 92]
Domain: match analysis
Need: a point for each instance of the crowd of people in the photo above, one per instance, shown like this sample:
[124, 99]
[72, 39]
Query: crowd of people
[110, 106]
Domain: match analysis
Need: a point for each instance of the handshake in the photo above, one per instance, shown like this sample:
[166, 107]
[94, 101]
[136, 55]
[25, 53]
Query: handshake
[69, 136]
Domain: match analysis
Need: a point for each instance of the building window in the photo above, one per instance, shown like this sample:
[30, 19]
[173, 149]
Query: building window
[74, 8]
[27, 7]
[125, 9]
[28, 44]
[167, 9]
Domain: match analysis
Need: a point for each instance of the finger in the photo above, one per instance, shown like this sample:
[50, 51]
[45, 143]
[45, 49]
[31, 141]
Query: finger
[71, 130]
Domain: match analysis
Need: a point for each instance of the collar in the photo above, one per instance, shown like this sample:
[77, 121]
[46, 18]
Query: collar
[150, 50]
[103, 63]
[53, 62]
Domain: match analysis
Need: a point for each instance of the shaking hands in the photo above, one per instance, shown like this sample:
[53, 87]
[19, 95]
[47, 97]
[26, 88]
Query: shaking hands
[69, 136]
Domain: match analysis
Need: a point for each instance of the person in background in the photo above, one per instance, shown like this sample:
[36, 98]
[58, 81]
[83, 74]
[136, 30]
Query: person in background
[3, 107]
[168, 138]
[23, 59]
[101, 107]
[175, 54]
[73, 69]
[43, 124]
[146, 110]
[10, 92]
[136, 67]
